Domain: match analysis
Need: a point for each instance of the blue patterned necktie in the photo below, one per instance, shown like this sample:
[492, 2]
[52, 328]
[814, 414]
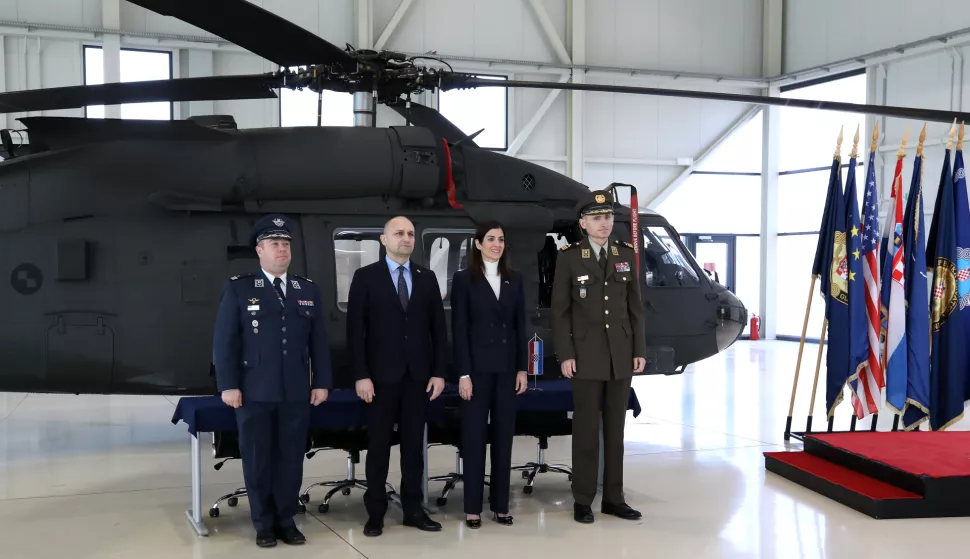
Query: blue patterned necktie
[402, 288]
[278, 286]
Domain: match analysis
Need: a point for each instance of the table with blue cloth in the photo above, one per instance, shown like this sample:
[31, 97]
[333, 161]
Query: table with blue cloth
[344, 410]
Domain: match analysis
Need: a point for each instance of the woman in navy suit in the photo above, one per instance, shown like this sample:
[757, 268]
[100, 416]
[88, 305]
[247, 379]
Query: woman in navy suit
[488, 329]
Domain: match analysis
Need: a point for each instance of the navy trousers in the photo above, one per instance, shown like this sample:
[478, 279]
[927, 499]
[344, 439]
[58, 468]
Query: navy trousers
[492, 395]
[273, 442]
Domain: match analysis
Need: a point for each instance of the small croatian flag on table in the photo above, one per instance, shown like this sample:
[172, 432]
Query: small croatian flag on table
[535, 355]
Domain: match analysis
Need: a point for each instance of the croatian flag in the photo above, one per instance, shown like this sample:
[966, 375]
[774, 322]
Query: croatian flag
[535, 356]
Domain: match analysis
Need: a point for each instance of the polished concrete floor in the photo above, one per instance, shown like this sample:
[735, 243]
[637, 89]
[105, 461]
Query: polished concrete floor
[101, 476]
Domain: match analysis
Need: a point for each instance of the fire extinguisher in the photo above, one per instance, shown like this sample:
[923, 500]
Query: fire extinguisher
[755, 331]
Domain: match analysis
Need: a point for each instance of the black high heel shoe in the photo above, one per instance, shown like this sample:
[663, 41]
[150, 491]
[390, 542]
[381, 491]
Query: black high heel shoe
[474, 524]
[504, 520]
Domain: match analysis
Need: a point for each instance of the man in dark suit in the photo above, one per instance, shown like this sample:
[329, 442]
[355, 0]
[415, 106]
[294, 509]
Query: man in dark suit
[398, 342]
[597, 327]
[272, 361]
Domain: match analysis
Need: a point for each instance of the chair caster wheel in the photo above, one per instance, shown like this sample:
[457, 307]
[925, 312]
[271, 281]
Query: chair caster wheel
[301, 509]
[324, 508]
[232, 501]
[345, 491]
[214, 512]
[442, 501]
[527, 490]
[305, 498]
[525, 475]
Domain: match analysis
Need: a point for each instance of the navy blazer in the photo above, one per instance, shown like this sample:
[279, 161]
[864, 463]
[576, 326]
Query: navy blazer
[384, 340]
[266, 349]
[488, 333]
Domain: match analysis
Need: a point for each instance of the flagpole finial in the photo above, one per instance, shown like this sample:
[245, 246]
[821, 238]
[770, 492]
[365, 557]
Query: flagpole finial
[902, 147]
[922, 138]
[855, 144]
[953, 131]
[875, 137]
[960, 138]
[838, 144]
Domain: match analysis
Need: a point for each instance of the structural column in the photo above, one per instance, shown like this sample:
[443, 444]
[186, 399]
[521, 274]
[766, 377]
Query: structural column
[111, 49]
[770, 148]
[576, 36]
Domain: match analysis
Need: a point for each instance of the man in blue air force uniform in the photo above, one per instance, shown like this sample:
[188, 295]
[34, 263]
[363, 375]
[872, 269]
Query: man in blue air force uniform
[272, 361]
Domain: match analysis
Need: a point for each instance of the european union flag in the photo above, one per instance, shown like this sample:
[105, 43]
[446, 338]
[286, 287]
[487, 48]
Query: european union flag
[837, 299]
[858, 332]
[917, 405]
[962, 220]
[947, 359]
[823, 250]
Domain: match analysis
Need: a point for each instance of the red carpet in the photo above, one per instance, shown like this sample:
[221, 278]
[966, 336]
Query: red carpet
[933, 454]
[844, 477]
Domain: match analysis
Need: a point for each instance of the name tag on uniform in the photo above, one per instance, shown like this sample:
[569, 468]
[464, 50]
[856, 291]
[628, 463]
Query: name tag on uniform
[304, 303]
[622, 266]
[582, 278]
[252, 308]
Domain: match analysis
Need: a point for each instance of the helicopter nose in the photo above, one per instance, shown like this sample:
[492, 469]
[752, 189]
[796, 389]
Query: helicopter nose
[731, 317]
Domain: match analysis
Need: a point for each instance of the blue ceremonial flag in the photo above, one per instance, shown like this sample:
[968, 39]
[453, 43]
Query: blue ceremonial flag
[837, 300]
[931, 237]
[917, 407]
[947, 357]
[823, 250]
[962, 221]
[858, 332]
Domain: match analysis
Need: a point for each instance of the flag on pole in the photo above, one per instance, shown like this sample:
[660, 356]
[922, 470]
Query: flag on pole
[837, 300]
[947, 357]
[917, 406]
[535, 356]
[858, 333]
[962, 220]
[867, 388]
[823, 250]
[891, 243]
[894, 300]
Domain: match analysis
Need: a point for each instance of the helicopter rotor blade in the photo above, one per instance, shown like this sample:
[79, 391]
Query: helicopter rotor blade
[461, 81]
[215, 88]
[255, 29]
[426, 117]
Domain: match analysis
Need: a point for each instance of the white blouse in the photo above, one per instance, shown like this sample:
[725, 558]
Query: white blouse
[494, 279]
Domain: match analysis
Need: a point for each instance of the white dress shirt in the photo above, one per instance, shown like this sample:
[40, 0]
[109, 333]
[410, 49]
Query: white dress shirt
[271, 277]
[494, 279]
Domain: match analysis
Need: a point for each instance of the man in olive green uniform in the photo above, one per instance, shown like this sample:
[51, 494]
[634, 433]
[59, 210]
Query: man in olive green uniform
[597, 328]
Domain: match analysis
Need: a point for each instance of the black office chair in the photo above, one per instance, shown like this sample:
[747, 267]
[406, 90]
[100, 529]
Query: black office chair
[542, 425]
[352, 442]
[225, 445]
[448, 432]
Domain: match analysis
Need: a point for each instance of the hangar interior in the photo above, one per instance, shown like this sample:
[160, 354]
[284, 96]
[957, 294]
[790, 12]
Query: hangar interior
[744, 186]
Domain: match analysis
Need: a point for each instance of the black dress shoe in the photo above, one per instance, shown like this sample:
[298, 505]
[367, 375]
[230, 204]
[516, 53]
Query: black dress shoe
[265, 538]
[622, 510]
[504, 520]
[374, 527]
[422, 522]
[473, 523]
[290, 535]
[582, 513]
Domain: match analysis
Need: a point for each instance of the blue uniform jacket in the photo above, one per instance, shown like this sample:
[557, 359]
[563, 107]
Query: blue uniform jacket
[272, 353]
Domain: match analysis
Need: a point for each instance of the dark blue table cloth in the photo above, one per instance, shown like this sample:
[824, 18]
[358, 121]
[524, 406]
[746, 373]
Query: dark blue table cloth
[345, 410]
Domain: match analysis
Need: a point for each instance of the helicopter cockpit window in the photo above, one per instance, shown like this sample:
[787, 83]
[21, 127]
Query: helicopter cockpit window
[664, 264]
[446, 251]
[353, 249]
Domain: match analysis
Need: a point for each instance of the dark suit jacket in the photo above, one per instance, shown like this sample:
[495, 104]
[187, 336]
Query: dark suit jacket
[267, 350]
[488, 333]
[384, 340]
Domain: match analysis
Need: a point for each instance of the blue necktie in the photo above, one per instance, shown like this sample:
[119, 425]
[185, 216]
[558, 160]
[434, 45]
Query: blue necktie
[402, 288]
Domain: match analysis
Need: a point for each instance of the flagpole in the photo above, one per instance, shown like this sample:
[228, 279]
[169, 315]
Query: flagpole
[825, 323]
[798, 362]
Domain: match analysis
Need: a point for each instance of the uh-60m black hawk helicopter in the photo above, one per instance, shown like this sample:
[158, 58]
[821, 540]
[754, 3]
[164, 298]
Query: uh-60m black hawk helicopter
[117, 235]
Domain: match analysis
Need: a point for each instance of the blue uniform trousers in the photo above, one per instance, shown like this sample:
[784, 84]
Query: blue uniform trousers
[273, 442]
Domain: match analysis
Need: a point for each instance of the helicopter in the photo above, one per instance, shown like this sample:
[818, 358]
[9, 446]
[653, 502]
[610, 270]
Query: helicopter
[116, 236]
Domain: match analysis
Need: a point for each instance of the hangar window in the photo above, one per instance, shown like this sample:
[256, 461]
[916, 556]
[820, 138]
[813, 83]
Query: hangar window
[136, 65]
[446, 252]
[353, 249]
[472, 110]
[299, 108]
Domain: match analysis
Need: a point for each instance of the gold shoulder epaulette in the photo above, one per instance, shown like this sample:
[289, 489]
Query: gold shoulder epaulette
[627, 244]
[569, 246]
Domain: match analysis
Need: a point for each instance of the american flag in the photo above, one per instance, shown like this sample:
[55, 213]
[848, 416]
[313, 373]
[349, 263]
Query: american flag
[871, 380]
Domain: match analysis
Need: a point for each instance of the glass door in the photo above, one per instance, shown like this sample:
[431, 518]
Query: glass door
[715, 254]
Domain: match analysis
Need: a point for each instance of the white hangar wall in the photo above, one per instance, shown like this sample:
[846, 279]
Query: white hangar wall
[596, 137]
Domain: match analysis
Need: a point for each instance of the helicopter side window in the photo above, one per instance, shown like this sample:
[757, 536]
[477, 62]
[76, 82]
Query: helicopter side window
[664, 263]
[353, 249]
[446, 251]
